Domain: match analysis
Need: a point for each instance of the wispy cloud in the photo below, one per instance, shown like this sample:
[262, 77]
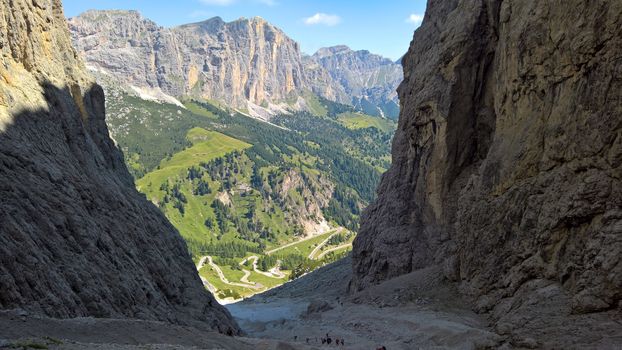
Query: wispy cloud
[218, 2]
[267, 2]
[200, 14]
[414, 18]
[324, 19]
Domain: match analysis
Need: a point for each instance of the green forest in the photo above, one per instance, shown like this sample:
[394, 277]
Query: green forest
[238, 188]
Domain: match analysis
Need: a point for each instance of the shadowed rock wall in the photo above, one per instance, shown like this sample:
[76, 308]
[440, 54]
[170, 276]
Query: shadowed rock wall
[76, 238]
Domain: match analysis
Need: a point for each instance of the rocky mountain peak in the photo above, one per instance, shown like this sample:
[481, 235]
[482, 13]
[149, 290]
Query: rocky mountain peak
[248, 64]
[240, 62]
[256, 20]
[332, 50]
[345, 53]
[108, 17]
[369, 79]
[210, 24]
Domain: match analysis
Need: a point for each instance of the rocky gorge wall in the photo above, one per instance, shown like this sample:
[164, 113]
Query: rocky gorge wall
[507, 161]
[76, 238]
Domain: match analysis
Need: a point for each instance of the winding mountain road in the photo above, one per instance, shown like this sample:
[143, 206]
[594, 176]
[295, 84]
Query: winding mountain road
[273, 271]
[244, 278]
[322, 254]
[319, 246]
[222, 277]
[276, 270]
[293, 243]
[287, 245]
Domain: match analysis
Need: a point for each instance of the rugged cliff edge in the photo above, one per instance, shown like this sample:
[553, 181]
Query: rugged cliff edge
[507, 161]
[76, 238]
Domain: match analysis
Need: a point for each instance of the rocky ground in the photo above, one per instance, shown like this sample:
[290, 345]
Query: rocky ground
[415, 311]
[428, 316]
[421, 310]
[18, 330]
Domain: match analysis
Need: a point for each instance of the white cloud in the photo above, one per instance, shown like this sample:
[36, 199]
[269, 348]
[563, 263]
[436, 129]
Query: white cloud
[267, 2]
[415, 18]
[323, 18]
[217, 2]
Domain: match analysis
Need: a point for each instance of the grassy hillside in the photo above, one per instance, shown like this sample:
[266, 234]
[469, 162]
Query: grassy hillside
[206, 145]
[357, 120]
[236, 187]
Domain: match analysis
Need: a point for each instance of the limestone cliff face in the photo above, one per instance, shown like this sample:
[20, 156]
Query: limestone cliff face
[369, 81]
[322, 83]
[247, 60]
[247, 63]
[129, 44]
[507, 161]
[76, 238]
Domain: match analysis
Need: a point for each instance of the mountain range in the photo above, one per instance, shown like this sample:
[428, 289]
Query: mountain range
[287, 193]
[246, 64]
[496, 226]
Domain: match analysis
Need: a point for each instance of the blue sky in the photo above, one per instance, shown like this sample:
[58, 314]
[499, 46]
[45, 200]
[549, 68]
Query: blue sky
[380, 26]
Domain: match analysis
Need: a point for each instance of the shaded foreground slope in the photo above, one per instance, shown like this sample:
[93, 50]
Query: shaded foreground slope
[76, 238]
[87, 333]
[507, 164]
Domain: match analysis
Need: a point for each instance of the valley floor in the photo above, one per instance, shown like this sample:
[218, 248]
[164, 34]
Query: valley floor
[393, 314]
[272, 320]
[419, 310]
[414, 311]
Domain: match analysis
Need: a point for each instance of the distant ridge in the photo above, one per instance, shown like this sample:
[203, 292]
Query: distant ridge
[248, 64]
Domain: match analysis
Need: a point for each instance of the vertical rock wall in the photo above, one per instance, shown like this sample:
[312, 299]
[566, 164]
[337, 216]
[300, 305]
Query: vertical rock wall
[76, 238]
[507, 162]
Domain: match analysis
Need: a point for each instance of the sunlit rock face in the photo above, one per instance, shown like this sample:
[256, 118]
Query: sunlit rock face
[507, 158]
[369, 81]
[76, 238]
[247, 60]
[242, 64]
